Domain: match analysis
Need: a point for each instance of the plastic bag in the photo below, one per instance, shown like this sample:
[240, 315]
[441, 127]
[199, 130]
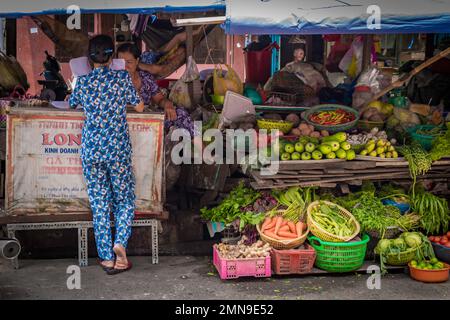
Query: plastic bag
[229, 82]
[179, 93]
[351, 63]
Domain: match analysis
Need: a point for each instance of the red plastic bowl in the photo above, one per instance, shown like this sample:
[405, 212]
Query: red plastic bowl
[431, 276]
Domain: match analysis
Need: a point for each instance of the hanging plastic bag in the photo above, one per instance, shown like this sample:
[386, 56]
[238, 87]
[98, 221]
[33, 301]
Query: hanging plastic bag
[351, 63]
[179, 93]
[229, 82]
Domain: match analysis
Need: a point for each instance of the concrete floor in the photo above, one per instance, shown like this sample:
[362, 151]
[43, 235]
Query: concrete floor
[187, 277]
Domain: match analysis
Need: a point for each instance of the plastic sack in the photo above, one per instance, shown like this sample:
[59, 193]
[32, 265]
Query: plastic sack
[351, 63]
[229, 82]
[179, 93]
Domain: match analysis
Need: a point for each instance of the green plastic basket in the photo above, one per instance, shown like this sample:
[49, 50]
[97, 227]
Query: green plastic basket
[426, 141]
[331, 128]
[339, 256]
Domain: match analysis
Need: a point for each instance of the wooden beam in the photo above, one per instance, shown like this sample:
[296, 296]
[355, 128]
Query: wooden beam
[190, 53]
[367, 51]
[199, 21]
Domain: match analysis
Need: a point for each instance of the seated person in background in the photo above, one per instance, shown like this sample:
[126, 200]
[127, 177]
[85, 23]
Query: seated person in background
[149, 90]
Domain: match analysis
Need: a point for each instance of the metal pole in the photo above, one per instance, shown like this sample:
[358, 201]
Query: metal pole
[9, 248]
[2, 34]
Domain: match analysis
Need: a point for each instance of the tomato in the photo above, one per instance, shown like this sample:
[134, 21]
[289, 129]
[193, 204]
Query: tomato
[444, 237]
[447, 244]
[448, 234]
[437, 239]
[431, 238]
[443, 241]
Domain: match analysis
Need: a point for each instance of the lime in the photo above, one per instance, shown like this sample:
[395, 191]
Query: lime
[439, 265]
[414, 263]
[434, 260]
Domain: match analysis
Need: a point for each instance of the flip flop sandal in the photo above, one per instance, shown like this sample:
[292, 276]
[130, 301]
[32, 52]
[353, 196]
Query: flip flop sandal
[114, 271]
[105, 268]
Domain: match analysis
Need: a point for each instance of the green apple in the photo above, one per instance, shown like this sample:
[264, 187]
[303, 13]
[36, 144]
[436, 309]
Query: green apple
[303, 140]
[317, 155]
[299, 147]
[346, 146]
[331, 155]
[310, 147]
[351, 154]
[325, 149]
[289, 148]
[295, 156]
[341, 154]
[335, 146]
[286, 156]
[306, 156]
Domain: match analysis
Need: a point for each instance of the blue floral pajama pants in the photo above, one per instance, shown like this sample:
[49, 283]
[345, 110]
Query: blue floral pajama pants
[110, 187]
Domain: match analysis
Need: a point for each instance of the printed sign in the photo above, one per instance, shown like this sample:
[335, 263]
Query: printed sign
[44, 172]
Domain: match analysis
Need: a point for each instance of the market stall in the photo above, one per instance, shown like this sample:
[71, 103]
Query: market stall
[356, 175]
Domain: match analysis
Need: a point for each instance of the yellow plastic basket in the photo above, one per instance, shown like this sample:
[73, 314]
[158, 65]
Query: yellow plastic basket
[324, 235]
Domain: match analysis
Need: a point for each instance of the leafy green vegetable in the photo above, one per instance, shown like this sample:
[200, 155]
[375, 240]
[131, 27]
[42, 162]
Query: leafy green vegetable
[230, 209]
[419, 160]
[440, 147]
[433, 211]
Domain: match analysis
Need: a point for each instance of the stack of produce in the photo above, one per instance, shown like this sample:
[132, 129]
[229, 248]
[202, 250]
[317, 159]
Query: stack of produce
[258, 249]
[308, 130]
[330, 147]
[442, 239]
[419, 161]
[364, 137]
[331, 117]
[440, 146]
[329, 222]
[432, 264]
[407, 247]
[433, 211]
[232, 208]
[282, 229]
[381, 148]
[377, 111]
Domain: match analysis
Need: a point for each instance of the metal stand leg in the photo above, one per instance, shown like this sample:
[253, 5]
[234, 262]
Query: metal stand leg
[82, 247]
[155, 242]
[15, 261]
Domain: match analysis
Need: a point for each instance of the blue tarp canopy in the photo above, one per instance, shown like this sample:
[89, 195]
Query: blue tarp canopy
[336, 16]
[19, 8]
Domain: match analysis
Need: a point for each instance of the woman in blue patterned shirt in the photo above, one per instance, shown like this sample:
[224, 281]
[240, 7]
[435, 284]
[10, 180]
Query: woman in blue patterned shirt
[106, 151]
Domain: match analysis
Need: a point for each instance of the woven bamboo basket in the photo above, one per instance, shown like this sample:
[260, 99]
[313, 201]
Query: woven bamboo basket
[324, 235]
[283, 244]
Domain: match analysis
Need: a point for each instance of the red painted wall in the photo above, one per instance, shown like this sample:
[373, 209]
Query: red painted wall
[30, 53]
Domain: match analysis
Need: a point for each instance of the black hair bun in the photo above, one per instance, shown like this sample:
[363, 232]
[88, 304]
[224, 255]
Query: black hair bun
[101, 48]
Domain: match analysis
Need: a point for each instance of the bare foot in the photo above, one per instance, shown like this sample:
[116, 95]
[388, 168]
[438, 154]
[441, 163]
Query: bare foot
[107, 263]
[121, 260]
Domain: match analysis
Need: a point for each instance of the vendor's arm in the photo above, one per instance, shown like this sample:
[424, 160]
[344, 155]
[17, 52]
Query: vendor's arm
[150, 68]
[132, 96]
[75, 97]
[165, 103]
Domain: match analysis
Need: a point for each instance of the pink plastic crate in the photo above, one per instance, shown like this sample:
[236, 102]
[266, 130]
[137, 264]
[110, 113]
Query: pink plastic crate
[232, 269]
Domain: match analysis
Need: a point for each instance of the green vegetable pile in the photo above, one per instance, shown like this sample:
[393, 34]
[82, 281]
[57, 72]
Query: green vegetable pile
[374, 216]
[407, 241]
[231, 208]
[296, 200]
[441, 146]
[433, 211]
[329, 218]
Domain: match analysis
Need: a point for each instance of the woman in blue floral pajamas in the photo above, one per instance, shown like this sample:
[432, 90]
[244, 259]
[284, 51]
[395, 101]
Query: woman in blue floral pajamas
[106, 151]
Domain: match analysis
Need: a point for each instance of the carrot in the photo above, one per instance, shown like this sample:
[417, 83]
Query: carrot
[299, 227]
[292, 227]
[284, 223]
[278, 224]
[266, 223]
[286, 234]
[272, 235]
[284, 228]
